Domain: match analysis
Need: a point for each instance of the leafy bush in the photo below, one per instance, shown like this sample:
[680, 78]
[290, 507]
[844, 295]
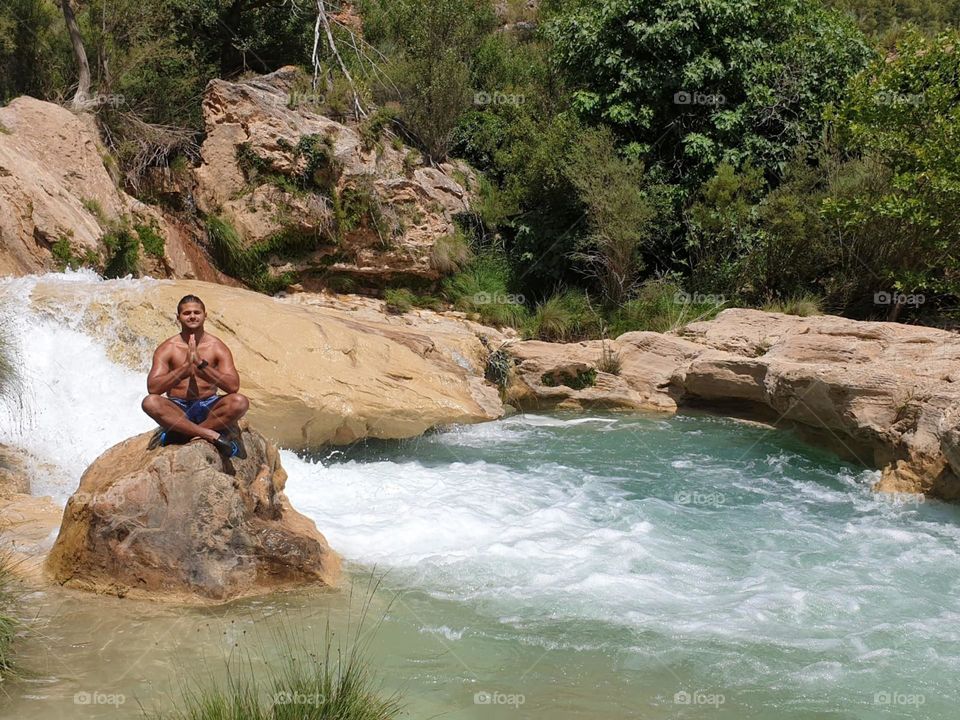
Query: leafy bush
[151, 240]
[123, 247]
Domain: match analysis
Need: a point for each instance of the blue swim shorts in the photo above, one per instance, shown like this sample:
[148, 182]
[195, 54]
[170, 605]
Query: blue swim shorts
[196, 410]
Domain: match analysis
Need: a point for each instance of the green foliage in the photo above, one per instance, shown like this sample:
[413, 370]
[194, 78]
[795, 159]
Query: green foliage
[662, 306]
[376, 124]
[322, 169]
[563, 317]
[359, 208]
[35, 55]
[398, 300]
[430, 46]
[497, 368]
[151, 240]
[96, 209]
[123, 247]
[688, 85]
[885, 20]
[903, 115]
[577, 381]
[610, 360]
[483, 288]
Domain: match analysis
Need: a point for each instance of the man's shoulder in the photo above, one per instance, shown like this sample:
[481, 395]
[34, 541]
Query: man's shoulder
[169, 342]
[215, 341]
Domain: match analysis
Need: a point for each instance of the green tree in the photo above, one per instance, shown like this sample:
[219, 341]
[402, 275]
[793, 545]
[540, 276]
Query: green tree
[689, 84]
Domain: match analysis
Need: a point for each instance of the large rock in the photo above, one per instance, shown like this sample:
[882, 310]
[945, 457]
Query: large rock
[251, 160]
[180, 523]
[885, 394]
[55, 188]
[313, 374]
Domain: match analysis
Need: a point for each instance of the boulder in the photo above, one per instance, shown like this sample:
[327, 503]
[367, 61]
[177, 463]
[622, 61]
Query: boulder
[180, 523]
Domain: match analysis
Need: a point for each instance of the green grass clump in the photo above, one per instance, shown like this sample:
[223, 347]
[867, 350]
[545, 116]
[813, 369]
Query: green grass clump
[802, 305]
[578, 381]
[450, 253]
[398, 300]
[124, 253]
[94, 208]
[150, 239]
[661, 306]
[8, 623]
[564, 316]
[481, 288]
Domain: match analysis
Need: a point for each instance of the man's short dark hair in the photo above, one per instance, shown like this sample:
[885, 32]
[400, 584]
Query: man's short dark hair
[190, 299]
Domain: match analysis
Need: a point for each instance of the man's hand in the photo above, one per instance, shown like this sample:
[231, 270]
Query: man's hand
[192, 358]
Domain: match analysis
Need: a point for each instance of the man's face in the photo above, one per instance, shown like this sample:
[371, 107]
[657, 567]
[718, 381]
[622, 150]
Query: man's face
[191, 316]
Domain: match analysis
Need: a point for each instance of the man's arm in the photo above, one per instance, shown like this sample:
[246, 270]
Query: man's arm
[160, 379]
[225, 375]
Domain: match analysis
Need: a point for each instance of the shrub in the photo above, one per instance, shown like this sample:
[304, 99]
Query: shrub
[227, 248]
[123, 257]
[610, 361]
[482, 288]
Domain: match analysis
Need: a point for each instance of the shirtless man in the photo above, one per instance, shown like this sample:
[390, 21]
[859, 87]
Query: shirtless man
[189, 368]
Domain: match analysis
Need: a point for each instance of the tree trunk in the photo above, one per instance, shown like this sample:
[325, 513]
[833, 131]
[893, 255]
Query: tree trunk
[81, 99]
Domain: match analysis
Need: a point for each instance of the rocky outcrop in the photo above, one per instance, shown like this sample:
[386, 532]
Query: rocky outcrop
[885, 394]
[58, 200]
[314, 375]
[180, 523]
[329, 200]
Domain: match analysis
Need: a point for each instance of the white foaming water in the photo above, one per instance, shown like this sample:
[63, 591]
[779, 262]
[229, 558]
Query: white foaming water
[72, 402]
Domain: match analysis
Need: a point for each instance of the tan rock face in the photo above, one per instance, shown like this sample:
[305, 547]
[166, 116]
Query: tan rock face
[53, 186]
[885, 393]
[313, 375]
[180, 523]
[261, 120]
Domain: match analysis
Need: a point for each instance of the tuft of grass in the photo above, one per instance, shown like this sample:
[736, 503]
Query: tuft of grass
[150, 239]
[803, 305]
[96, 209]
[575, 381]
[661, 306]
[398, 300]
[8, 622]
[227, 248]
[4, 130]
[610, 361]
[450, 253]
[481, 288]
[311, 682]
[565, 316]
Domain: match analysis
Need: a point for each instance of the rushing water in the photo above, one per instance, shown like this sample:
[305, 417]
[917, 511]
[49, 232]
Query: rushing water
[563, 566]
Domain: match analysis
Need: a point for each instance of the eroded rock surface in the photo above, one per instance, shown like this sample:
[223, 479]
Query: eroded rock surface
[180, 523]
[885, 393]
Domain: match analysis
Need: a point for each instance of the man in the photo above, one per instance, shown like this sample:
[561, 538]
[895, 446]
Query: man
[189, 368]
